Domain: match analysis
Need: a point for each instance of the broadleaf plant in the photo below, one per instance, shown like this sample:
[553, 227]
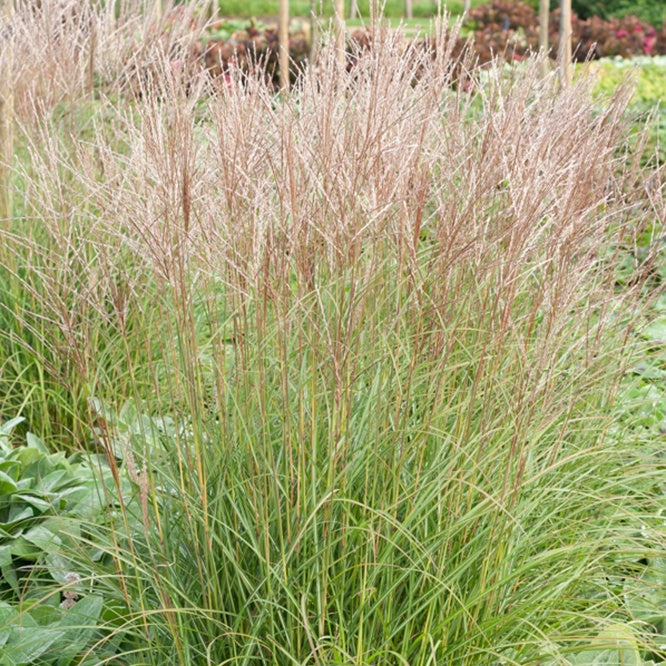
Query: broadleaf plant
[48, 604]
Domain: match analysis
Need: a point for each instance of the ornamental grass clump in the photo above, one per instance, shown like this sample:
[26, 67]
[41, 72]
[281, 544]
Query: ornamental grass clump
[351, 354]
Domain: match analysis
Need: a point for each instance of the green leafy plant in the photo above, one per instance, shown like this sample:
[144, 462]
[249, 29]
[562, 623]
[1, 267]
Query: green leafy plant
[36, 488]
[50, 610]
[35, 635]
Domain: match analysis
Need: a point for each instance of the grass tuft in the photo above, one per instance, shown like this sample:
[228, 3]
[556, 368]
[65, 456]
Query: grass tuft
[351, 355]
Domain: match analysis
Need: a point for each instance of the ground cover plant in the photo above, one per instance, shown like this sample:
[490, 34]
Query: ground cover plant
[363, 373]
[46, 499]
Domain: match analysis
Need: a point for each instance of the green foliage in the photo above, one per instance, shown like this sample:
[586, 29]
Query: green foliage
[614, 646]
[46, 635]
[46, 502]
[649, 74]
[648, 605]
[36, 490]
[651, 11]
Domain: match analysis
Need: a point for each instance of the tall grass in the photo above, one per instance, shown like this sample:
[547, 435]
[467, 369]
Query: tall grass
[351, 353]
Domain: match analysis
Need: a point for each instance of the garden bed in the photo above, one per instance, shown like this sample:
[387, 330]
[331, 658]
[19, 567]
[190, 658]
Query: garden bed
[503, 28]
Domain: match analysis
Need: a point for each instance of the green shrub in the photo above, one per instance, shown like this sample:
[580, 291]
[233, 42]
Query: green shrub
[651, 11]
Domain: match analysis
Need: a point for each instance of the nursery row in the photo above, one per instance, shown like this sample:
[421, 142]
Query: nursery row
[504, 28]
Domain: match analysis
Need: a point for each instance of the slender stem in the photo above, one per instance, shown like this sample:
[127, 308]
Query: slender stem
[91, 58]
[339, 7]
[6, 113]
[314, 30]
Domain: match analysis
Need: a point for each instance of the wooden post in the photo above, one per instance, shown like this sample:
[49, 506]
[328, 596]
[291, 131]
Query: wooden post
[544, 7]
[564, 51]
[339, 7]
[467, 6]
[408, 9]
[283, 38]
[6, 112]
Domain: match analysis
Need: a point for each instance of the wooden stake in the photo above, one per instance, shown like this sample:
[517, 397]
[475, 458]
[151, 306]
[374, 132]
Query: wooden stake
[408, 9]
[564, 51]
[544, 7]
[339, 7]
[6, 112]
[283, 38]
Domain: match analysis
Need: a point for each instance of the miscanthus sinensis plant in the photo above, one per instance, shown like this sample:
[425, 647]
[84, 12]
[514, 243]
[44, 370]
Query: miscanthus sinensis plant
[351, 353]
